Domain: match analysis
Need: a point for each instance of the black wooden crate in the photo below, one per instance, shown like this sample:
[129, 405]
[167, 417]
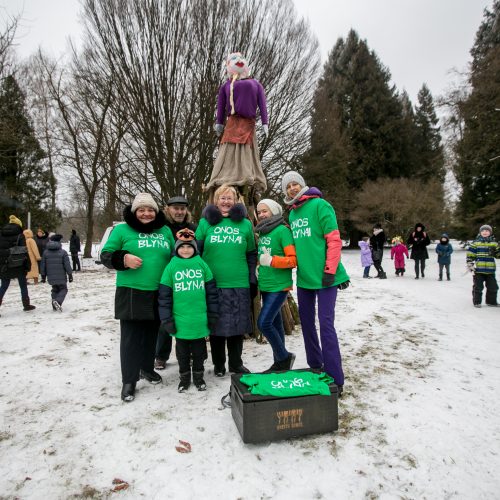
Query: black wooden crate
[269, 418]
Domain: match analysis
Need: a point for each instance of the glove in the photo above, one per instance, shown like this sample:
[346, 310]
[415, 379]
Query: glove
[218, 129]
[470, 266]
[343, 286]
[44, 279]
[70, 278]
[266, 258]
[265, 130]
[328, 280]
[493, 251]
[212, 320]
[167, 327]
[253, 290]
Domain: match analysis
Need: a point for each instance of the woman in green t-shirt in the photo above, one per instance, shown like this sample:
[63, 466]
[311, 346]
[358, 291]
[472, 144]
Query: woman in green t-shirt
[319, 272]
[277, 258]
[139, 250]
[227, 244]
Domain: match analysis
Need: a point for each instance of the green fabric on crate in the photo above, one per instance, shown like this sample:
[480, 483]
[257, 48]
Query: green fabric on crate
[288, 384]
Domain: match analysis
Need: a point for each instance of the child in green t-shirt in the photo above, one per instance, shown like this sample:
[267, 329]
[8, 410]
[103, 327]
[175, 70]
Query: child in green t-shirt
[188, 307]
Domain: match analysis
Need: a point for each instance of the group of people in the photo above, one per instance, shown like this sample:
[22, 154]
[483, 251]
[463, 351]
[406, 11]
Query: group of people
[178, 280]
[481, 255]
[37, 255]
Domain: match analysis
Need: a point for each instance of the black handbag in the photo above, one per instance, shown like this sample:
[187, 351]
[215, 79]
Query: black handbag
[18, 256]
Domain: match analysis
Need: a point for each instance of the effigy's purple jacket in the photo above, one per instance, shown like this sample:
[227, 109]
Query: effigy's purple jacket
[248, 95]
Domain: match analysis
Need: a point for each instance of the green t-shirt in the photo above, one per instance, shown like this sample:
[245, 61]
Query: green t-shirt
[310, 223]
[187, 278]
[288, 384]
[225, 248]
[153, 248]
[272, 279]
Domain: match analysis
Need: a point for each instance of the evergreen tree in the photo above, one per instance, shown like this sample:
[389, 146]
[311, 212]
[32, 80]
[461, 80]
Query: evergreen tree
[428, 139]
[355, 126]
[24, 181]
[478, 165]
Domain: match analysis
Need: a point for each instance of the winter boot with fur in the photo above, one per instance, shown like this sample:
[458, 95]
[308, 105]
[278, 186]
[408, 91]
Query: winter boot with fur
[185, 382]
[26, 304]
[198, 381]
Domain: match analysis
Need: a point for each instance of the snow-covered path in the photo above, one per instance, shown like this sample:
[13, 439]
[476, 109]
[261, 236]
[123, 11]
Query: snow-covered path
[419, 418]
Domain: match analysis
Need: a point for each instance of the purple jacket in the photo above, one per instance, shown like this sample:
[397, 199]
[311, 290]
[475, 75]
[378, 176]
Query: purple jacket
[248, 94]
[366, 253]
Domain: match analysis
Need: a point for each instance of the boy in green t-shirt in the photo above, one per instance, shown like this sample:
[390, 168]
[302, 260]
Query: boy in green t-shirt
[188, 307]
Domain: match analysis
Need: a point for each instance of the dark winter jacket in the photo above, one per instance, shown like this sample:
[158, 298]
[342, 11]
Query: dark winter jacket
[418, 241]
[41, 242]
[377, 242]
[10, 236]
[74, 243]
[444, 251]
[55, 264]
[131, 303]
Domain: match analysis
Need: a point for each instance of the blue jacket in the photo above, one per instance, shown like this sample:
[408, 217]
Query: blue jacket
[55, 264]
[444, 252]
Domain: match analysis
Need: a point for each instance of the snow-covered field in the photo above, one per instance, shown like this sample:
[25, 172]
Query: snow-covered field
[420, 417]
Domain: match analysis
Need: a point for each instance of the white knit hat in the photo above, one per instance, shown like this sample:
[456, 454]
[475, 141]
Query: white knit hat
[291, 176]
[272, 205]
[144, 200]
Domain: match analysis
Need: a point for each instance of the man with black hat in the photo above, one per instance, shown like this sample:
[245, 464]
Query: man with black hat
[178, 217]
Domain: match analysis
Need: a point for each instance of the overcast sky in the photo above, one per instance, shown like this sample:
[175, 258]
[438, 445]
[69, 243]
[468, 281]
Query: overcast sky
[417, 40]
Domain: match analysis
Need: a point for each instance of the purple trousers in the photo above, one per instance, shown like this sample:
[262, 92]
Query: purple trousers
[326, 355]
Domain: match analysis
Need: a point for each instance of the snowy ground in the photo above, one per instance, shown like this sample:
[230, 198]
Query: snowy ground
[419, 419]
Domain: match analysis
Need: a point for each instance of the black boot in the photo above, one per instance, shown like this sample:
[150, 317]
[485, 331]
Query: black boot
[239, 369]
[152, 378]
[198, 381]
[383, 276]
[27, 305]
[185, 382]
[282, 366]
[128, 392]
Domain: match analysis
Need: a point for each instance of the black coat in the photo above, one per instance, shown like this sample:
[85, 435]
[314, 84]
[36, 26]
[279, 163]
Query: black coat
[41, 242]
[55, 264]
[131, 303]
[377, 241]
[10, 236]
[418, 241]
[74, 243]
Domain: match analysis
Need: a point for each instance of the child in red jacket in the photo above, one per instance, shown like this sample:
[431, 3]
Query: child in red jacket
[398, 252]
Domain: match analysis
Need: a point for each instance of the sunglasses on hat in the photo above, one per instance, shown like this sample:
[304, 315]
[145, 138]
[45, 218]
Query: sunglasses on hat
[185, 235]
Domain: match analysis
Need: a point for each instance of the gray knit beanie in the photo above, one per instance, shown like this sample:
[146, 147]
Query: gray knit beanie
[273, 206]
[144, 200]
[291, 176]
[486, 227]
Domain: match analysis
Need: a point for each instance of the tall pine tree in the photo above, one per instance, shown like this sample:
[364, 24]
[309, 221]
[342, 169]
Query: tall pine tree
[24, 180]
[356, 125]
[428, 139]
[478, 165]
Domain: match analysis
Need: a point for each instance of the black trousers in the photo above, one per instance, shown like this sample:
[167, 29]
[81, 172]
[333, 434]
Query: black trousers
[378, 266]
[234, 350]
[480, 280]
[76, 262]
[163, 346]
[137, 348]
[447, 267]
[419, 263]
[59, 292]
[185, 350]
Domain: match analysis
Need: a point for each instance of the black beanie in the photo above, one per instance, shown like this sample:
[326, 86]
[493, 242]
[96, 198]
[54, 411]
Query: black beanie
[56, 237]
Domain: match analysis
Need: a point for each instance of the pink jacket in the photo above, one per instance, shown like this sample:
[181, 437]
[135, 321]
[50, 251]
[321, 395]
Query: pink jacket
[398, 253]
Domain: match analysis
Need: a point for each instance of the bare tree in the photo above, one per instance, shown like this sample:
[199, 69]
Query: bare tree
[399, 204]
[82, 114]
[166, 61]
[7, 35]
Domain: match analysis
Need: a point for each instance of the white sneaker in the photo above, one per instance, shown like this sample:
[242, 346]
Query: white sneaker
[56, 306]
